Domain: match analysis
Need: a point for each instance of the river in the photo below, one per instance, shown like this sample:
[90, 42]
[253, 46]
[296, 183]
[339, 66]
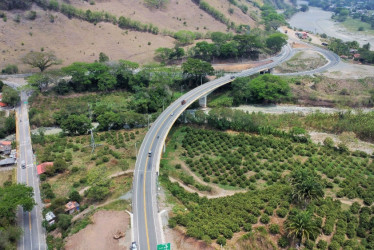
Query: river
[319, 21]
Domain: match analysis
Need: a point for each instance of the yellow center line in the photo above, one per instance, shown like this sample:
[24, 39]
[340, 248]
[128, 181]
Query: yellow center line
[145, 169]
[145, 174]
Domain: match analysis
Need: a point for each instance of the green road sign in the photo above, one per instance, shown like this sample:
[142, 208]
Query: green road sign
[165, 246]
[25, 102]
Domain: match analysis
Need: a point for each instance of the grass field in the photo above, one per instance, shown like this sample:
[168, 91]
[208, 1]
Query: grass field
[353, 25]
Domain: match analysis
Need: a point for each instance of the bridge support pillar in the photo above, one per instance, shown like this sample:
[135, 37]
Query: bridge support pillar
[203, 101]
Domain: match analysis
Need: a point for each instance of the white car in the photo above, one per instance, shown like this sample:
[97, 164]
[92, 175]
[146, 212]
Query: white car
[133, 246]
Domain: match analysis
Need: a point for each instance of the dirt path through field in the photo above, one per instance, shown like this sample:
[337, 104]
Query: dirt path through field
[99, 235]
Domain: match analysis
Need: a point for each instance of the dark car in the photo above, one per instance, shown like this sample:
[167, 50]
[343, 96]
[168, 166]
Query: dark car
[183, 102]
[232, 77]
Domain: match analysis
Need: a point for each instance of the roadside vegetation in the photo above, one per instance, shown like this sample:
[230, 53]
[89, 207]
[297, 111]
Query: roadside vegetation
[295, 189]
[12, 196]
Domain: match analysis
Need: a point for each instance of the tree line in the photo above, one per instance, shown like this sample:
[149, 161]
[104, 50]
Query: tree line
[227, 46]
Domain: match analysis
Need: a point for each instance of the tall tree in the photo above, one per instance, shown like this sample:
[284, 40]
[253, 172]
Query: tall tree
[11, 197]
[197, 69]
[41, 60]
[10, 96]
[76, 124]
[305, 186]
[301, 226]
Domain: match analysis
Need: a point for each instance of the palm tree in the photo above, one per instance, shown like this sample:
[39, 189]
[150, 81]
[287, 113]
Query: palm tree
[305, 186]
[301, 226]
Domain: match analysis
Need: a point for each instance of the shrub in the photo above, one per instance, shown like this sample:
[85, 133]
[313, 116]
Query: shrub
[265, 219]
[221, 240]
[282, 212]
[309, 244]
[274, 229]
[247, 227]
[283, 242]
[10, 69]
[322, 244]
[334, 245]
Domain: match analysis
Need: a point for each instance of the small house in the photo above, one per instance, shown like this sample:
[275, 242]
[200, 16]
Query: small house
[50, 217]
[71, 207]
[5, 149]
[41, 168]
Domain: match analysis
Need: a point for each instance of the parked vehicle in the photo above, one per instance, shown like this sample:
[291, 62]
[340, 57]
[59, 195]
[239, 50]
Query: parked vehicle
[133, 246]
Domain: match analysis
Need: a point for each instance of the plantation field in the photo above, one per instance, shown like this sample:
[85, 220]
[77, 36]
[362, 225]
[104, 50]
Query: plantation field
[115, 154]
[270, 168]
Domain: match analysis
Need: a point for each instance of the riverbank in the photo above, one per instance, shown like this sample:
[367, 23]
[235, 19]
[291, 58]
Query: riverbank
[319, 21]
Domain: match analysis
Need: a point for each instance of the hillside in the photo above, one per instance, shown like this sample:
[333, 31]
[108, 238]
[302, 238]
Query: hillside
[77, 40]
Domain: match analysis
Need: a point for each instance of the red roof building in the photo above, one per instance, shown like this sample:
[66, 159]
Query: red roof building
[41, 168]
[6, 143]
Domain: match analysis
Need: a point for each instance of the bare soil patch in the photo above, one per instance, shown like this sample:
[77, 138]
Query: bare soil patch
[348, 138]
[99, 235]
[180, 241]
[346, 70]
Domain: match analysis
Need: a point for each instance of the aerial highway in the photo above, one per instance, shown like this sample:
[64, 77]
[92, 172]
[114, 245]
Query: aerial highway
[147, 229]
[33, 236]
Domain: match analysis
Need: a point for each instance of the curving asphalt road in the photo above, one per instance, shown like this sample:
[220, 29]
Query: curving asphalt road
[147, 229]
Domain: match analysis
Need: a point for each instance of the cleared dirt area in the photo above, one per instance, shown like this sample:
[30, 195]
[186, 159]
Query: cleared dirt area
[74, 40]
[302, 61]
[99, 235]
[346, 70]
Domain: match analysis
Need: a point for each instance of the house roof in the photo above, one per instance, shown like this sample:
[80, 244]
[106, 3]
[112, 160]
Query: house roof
[50, 216]
[7, 161]
[41, 168]
[71, 205]
[5, 143]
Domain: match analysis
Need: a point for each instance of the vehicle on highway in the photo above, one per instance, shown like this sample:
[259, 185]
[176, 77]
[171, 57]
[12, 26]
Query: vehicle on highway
[133, 246]
[172, 114]
[232, 77]
[23, 164]
[150, 153]
[183, 102]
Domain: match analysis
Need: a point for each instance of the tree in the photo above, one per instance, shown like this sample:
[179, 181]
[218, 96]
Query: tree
[10, 96]
[75, 196]
[59, 165]
[11, 197]
[40, 81]
[301, 226]
[266, 88]
[64, 221]
[103, 57]
[41, 60]
[305, 186]
[276, 41]
[304, 8]
[76, 124]
[197, 69]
